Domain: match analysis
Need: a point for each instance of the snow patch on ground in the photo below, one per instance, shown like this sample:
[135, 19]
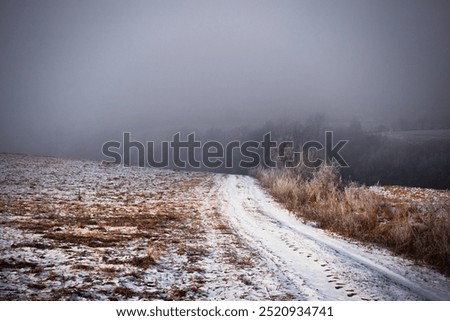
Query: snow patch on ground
[80, 230]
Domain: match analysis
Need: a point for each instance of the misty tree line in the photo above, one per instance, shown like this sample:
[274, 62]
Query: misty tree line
[372, 157]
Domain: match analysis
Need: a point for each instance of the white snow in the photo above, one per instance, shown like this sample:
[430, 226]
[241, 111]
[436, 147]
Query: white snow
[79, 230]
[320, 265]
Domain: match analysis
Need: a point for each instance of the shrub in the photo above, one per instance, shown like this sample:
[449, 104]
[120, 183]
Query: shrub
[419, 231]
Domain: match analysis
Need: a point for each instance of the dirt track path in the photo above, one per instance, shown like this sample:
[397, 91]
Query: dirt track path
[320, 266]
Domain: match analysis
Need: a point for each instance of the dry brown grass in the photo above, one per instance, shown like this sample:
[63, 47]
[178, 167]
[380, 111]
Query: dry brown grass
[16, 264]
[150, 258]
[419, 231]
[100, 227]
[124, 291]
[82, 267]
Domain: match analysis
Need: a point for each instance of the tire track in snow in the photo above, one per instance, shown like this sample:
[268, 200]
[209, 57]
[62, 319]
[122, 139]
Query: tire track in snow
[320, 266]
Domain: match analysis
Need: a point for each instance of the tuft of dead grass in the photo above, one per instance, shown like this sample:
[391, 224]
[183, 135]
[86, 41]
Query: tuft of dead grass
[153, 253]
[419, 231]
[82, 267]
[16, 264]
[124, 291]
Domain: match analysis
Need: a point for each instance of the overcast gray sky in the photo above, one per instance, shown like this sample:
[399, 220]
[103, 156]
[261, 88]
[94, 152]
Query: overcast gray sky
[80, 72]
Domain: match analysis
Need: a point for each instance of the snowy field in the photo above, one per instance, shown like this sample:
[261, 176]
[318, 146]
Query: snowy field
[80, 230]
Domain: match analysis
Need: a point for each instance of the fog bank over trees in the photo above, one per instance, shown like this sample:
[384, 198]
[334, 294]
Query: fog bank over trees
[75, 74]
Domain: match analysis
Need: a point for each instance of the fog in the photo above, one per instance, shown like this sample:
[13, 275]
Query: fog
[74, 74]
